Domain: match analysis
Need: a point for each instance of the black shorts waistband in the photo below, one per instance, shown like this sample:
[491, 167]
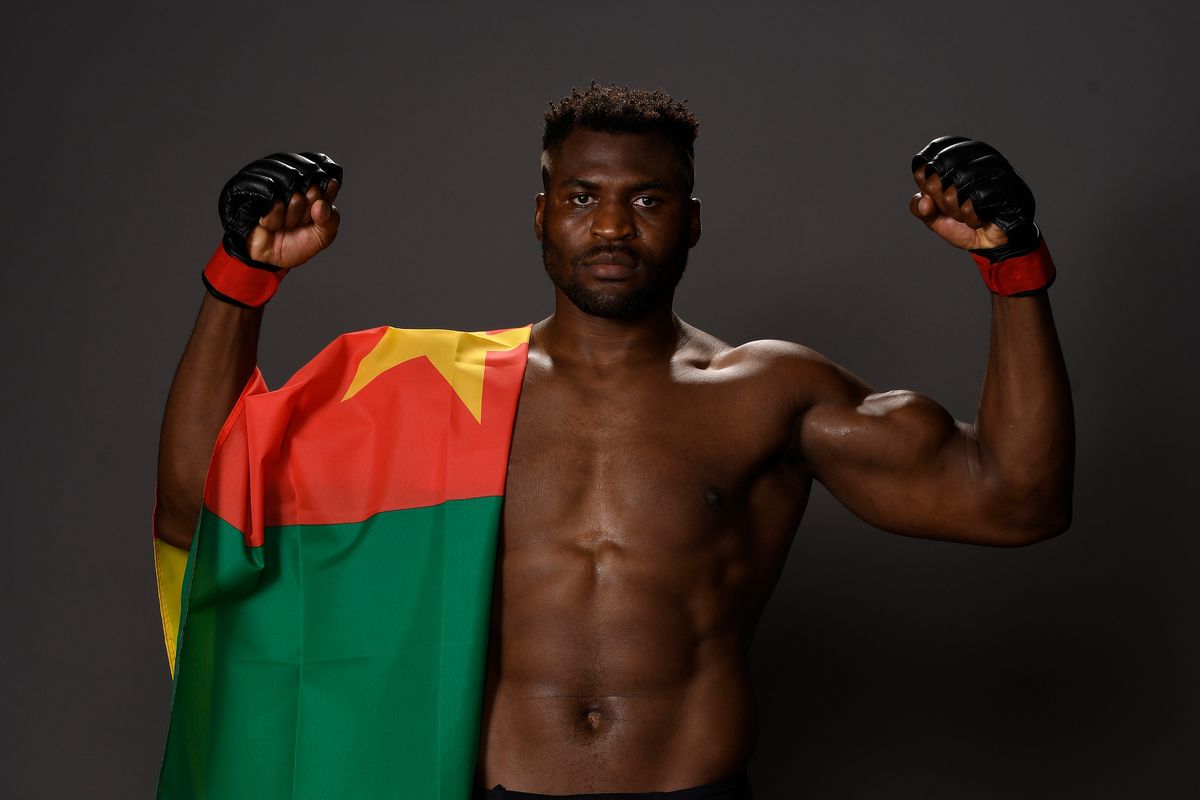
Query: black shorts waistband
[735, 787]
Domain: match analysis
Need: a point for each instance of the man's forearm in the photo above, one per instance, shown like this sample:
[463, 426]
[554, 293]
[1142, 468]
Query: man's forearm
[1025, 427]
[219, 358]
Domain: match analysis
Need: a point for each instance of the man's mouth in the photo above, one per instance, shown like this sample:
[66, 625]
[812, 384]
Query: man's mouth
[610, 265]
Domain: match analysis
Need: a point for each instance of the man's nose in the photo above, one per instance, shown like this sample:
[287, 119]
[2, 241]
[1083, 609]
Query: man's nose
[613, 222]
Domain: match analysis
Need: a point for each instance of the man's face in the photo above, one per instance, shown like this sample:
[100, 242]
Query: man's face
[616, 222]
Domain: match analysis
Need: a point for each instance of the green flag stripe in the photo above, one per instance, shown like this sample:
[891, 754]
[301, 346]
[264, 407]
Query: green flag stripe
[335, 660]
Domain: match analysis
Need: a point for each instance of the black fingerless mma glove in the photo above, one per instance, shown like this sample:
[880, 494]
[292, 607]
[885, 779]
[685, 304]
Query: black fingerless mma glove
[994, 188]
[250, 193]
[231, 275]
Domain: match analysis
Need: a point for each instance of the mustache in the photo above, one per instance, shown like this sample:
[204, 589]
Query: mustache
[603, 250]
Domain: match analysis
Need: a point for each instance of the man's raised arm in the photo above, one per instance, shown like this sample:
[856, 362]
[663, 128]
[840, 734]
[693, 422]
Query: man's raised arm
[901, 462]
[277, 212]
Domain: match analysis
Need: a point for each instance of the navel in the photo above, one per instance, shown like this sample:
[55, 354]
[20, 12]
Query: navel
[713, 496]
[593, 716]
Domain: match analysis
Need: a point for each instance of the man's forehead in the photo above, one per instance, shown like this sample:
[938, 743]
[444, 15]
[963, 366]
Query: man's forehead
[603, 157]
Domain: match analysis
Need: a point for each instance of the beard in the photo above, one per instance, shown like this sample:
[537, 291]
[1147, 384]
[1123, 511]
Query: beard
[617, 303]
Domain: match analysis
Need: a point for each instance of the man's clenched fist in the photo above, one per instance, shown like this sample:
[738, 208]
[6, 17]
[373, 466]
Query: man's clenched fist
[972, 197]
[278, 211]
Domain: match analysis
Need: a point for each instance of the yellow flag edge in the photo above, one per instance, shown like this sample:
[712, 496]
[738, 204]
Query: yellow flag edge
[170, 564]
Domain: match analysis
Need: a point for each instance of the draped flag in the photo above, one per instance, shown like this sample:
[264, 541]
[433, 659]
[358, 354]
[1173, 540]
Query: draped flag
[327, 631]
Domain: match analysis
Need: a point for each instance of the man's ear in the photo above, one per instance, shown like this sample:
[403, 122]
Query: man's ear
[693, 221]
[539, 214]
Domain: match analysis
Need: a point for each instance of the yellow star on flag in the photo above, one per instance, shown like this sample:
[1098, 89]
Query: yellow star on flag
[457, 355]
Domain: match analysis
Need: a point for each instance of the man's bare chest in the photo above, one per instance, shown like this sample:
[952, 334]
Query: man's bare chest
[681, 457]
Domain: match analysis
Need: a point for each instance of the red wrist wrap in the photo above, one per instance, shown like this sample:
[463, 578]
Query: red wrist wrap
[1019, 274]
[241, 284]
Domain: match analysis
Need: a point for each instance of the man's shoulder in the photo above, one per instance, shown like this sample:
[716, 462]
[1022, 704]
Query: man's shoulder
[802, 372]
[772, 354]
[761, 353]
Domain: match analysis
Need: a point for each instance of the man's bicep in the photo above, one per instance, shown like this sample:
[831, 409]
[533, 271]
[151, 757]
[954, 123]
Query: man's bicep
[895, 459]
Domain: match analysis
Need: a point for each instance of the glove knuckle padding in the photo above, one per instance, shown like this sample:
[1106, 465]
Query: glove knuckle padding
[307, 170]
[948, 161]
[985, 168]
[330, 169]
[926, 154]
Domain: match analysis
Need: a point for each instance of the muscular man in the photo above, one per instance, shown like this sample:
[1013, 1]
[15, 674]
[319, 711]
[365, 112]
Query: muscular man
[658, 475]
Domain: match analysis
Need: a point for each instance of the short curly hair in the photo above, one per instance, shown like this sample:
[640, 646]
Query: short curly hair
[621, 109]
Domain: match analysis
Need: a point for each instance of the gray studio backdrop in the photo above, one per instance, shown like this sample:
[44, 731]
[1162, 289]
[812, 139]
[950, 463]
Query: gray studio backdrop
[885, 666]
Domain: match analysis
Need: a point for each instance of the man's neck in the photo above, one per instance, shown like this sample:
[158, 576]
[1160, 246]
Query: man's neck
[571, 337]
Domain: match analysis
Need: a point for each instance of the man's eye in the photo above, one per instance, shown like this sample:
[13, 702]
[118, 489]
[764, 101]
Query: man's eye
[646, 202]
[582, 199]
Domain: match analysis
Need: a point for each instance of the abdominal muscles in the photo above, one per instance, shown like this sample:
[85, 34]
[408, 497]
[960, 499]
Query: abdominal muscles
[608, 659]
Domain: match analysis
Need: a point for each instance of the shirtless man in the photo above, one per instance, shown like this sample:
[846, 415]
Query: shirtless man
[657, 474]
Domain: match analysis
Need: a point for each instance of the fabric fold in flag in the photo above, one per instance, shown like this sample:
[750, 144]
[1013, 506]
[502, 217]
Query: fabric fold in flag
[327, 631]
